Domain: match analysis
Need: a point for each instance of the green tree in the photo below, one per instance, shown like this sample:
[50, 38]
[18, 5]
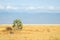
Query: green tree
[17, 24]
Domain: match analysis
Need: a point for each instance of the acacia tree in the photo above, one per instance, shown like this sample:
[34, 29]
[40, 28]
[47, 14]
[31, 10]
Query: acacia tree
[17, 24]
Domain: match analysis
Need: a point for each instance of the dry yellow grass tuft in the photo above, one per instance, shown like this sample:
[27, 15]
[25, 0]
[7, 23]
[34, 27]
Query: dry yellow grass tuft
[31, 32]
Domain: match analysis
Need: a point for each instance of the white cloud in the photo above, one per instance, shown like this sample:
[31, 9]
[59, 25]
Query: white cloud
[53, 8]
[11, 7]
[50, 8]
[28, 8]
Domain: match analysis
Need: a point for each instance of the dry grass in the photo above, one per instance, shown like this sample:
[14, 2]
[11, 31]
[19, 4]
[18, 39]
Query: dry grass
[31, 32]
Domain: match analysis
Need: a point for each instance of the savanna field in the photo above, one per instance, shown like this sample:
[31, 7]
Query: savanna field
[31, 32]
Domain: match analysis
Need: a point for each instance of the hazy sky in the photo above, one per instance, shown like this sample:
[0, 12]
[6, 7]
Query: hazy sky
[30, 11]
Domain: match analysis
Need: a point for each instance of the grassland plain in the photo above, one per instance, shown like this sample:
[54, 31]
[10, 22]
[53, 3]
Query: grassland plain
[31, 32]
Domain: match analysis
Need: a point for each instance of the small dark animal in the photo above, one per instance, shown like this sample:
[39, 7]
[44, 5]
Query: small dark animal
[8, 28]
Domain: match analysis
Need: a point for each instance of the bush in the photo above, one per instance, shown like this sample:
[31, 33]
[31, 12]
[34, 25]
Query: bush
[17, 24]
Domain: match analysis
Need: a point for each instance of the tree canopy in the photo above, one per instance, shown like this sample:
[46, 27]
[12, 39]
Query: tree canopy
[17, 24]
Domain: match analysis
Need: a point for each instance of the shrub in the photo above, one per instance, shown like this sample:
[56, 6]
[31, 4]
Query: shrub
[17, 24]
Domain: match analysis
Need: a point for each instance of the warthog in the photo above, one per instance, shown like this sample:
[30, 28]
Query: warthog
[9, 29]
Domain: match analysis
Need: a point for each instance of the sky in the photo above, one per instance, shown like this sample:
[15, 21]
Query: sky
[30, 11]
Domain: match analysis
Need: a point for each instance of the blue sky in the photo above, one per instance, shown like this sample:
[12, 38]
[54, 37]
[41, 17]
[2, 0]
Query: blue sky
[30, 11]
